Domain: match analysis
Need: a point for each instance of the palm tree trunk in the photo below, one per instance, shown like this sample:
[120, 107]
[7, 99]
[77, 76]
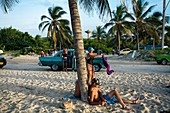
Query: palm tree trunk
[118, 40]
[137, 36]
[79, 49]
[55, 44]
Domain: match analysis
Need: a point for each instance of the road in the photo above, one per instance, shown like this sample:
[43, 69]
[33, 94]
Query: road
[117, 65]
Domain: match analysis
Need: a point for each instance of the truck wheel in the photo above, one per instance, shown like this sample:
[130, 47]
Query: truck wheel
[164, 62]
[96, 67]
[55, 67]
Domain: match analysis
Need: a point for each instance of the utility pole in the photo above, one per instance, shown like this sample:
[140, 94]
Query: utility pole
[163, 24]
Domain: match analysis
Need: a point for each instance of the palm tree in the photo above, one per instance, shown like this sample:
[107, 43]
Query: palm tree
[7, 4]
[118, 24]
[98, 34]
[154, 27]
[56, 25]
[103, 7]
[138, 17]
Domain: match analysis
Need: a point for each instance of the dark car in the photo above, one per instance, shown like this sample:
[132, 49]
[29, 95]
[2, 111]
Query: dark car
[2, 61]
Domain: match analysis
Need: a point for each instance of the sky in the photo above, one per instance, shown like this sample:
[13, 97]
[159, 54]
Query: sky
[26, 15]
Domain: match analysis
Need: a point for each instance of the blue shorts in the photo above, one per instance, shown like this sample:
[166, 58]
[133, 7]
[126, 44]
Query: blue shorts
[110, 100]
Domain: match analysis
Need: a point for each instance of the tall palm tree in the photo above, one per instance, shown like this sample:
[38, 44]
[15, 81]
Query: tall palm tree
[140, 13]
[7, 4]
[98, 33]
[118, 24]
[154, 27]
[55, 23]
[103, 7]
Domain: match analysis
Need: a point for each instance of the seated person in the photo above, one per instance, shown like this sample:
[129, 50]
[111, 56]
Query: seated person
[77, 90]
[97, 98]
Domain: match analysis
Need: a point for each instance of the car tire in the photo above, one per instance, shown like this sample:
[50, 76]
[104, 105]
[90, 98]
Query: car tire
[159, 62]
[96, 67]
[1, 66]
[55, 67]
[164, 62]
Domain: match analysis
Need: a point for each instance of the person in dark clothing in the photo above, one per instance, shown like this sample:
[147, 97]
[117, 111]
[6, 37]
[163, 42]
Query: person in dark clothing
[64, 58]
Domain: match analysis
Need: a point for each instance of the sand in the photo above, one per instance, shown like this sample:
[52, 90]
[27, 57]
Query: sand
[37, 91]
[28, 91]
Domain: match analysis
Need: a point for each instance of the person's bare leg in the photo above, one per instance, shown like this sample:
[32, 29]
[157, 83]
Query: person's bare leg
[93, 74]
[63, 66]
[89, 68]
[118, 97]
[131, 101]
[66, 66]
[89, 77]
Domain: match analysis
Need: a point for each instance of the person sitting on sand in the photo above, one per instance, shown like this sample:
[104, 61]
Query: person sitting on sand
[97, 98]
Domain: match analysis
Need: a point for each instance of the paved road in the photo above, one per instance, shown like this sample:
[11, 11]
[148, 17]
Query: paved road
[117, 65]
[140, 67]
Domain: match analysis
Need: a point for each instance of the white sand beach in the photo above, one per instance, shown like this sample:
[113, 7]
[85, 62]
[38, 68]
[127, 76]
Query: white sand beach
[28, 91]
[42, 91]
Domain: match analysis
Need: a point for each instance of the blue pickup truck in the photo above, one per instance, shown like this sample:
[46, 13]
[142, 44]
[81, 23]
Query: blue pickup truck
[55, 62]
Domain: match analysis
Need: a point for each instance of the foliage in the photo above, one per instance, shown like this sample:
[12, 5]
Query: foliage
[12, 39]
[57, 28]
[7, 4]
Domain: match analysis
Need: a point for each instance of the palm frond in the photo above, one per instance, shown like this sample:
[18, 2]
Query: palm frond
[88, 5]
[7, 4]
[48, 24]
[147, 11]
[42, 23]
[45, 17]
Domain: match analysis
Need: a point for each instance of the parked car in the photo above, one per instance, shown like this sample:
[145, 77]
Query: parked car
[125, 51]
[2, 61]
[55, 62]
[163, 59]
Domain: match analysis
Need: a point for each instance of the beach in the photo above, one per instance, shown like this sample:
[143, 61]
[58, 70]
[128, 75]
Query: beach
[28, 91]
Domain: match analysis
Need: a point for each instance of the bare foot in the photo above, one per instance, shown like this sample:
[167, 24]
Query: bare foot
[136, 101]
[128, 109]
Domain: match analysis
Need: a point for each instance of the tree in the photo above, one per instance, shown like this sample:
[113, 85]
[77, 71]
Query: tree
[7, 4]
[103, 6]
[154, 27]
[13, 39]
[98, 34]
[118, 23]
[56, 25]
[138, 17]
[79, 49]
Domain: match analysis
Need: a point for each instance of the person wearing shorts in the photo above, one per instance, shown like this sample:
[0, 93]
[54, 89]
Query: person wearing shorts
[97, 98]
